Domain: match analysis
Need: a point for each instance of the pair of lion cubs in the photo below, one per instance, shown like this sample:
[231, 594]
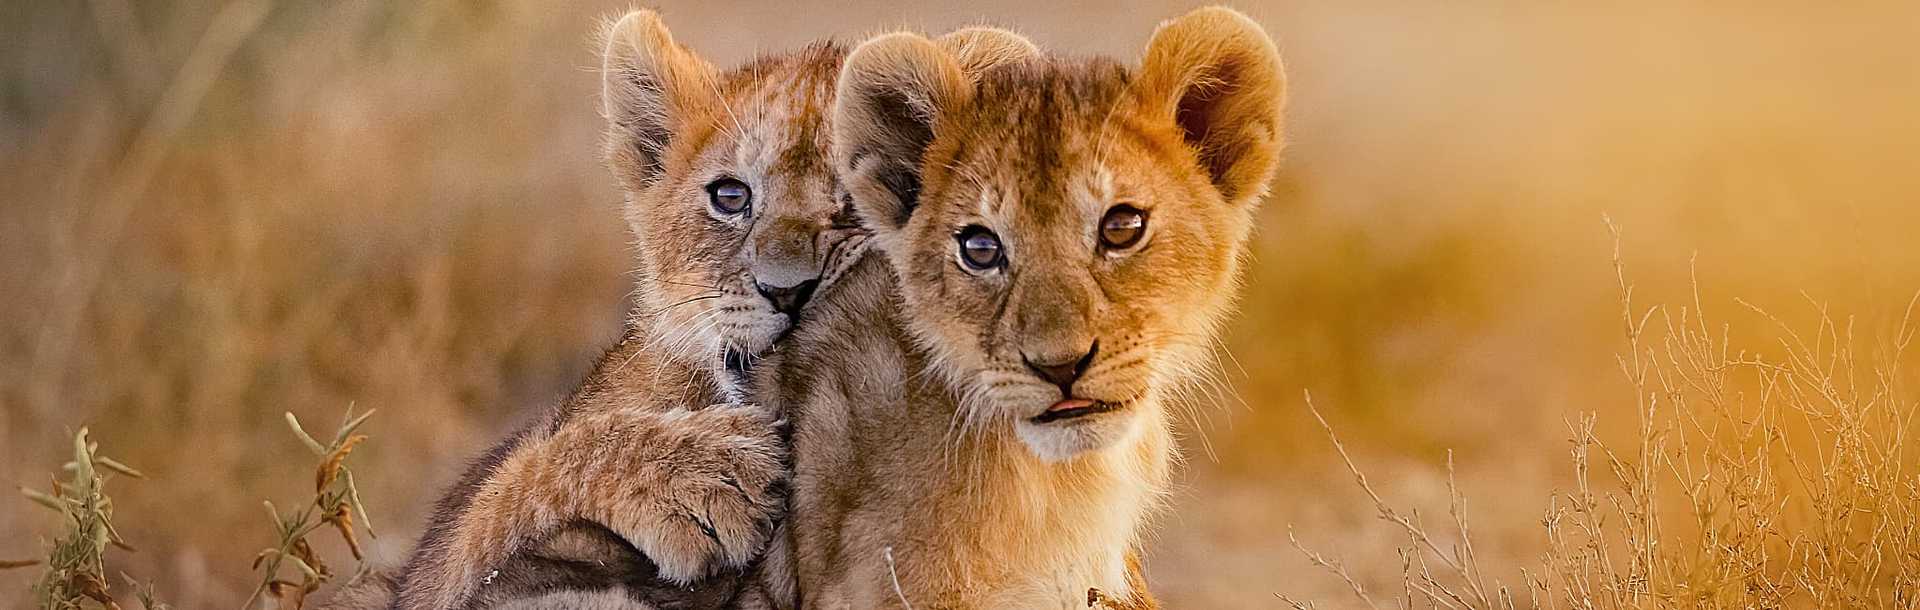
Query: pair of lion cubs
[1004, 261]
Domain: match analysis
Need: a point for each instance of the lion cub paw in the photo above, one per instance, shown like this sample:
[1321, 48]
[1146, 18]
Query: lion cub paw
[716, 486]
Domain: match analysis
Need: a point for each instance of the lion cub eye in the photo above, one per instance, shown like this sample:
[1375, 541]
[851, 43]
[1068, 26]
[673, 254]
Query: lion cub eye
[729, 196]
[1122, 227]
[980, 249]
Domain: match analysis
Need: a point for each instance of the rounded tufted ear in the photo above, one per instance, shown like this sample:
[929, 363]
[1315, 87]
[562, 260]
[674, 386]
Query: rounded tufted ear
[891, 93]
[648, 84]
[981, 48]
[1217, 76]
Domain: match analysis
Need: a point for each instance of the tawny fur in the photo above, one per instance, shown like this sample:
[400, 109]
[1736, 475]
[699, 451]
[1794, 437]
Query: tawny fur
[921, 477]
[991, 515]
[656, 452]
[523, 488]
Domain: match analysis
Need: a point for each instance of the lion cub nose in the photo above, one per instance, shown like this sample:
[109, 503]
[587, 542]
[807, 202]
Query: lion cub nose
[788, 300]
[1062, 371]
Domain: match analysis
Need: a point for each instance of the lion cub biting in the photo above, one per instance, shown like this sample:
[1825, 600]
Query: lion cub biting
[981, 423]
[732, 207]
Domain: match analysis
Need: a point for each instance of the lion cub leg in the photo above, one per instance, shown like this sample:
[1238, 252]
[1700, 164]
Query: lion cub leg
[694, 490]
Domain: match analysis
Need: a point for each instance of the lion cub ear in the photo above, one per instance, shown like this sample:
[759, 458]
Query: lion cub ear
[982, 48]
[649, 84]
[1217, 76]
[892, 92]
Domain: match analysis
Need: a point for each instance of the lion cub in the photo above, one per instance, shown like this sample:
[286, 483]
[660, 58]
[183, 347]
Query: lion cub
[732, 207]
[981, 423]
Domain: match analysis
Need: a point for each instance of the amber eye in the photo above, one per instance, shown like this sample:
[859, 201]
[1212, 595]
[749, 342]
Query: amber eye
[1122, 227]
[980, 248]
[729, 196]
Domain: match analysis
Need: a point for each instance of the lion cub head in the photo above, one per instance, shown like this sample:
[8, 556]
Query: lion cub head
[1067, 233]
[730, 193]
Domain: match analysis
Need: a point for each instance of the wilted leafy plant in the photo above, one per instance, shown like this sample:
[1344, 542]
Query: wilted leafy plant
[76, 565]
[335, 502]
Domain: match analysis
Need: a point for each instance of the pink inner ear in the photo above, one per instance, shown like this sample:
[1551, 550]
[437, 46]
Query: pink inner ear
[1199, 110]
[1194, 114]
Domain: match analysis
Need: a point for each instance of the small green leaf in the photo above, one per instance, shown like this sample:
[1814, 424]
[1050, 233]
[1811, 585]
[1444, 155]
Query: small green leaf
[353, 495]
[263, 556]
[294, 422]
[113, 535]
[102, 536]
[82, 456]
[45, 500]
[348, 428]
[302, 565]
[116, 466]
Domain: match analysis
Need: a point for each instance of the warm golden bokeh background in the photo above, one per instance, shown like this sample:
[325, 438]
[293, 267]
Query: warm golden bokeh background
[207, 219]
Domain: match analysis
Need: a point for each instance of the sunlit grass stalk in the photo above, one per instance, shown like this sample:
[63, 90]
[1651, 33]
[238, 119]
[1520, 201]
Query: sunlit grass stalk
[1824, 512]
[336, 500]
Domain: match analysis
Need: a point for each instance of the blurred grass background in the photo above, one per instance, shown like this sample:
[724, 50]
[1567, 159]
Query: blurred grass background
[211, 213]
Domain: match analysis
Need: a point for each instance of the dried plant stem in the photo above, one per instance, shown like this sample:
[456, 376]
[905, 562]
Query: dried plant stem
[1460, 561]
[335, 501]
[1755, 482]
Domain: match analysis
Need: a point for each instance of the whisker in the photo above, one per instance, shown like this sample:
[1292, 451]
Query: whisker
[667, 308]
[714, 286]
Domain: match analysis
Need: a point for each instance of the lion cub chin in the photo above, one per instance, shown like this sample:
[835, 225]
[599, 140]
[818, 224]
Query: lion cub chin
[981, 421]
[655, 483]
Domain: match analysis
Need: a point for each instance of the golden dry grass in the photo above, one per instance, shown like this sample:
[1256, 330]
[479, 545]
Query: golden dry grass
[1753, 482]
[211, 214]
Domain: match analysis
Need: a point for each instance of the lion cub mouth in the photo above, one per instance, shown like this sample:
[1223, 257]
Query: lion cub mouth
[1073, 408]
[738, 364]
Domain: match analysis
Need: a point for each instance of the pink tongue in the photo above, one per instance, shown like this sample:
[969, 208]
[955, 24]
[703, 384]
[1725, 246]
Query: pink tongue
[1071, 403]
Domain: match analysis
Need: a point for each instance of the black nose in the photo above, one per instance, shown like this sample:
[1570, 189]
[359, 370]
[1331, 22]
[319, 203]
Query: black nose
[790, 299]
[1065, 371]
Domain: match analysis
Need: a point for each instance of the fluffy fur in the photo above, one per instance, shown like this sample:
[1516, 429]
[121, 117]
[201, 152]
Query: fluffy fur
[926, 473]
[653, 485]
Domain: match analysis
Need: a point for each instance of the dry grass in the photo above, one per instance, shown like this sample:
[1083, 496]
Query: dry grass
[76, 567]
[1755, 481]
[335, 501]
[213, 213]
[279, 256]
[76, 573]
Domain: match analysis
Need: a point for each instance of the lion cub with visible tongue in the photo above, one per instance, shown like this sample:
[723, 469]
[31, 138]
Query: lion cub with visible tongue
[978, 414]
